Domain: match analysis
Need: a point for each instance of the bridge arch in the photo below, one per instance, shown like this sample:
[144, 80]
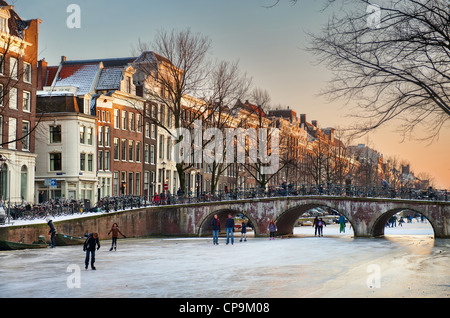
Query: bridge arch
[379, 224]
[204, 227]
[286, 220]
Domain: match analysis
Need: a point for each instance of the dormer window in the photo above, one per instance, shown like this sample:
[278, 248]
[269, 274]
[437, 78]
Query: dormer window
[4, 25]
[128, 84]
[4, 16]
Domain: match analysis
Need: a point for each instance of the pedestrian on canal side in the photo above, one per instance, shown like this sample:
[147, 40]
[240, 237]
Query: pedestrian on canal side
[51, 232]
[215, 225]
[89, 247]
[229, 227]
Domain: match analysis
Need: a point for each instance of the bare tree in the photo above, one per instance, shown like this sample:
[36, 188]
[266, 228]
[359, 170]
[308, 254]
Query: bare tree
[393, 59]
[172, 77]
[228, 85]
[255, 116]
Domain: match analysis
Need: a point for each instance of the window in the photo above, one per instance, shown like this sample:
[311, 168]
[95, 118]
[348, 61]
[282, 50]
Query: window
[82, 161]
[169, 149]
[107, 136]
[25, 135]
[2, 64]
[161, 147]
[55, 134]
[152, 155]
[82, 134]
[12, 133]
[13, 65]
[147, 130]
[116, 183]
[26, 101]
[24, 182]
[100, 135]
[153, 131]
[124, 149]
[131, 150]
[13, 98]
[55, 162]
[3, 25]
[146, 153]
[87, 107]
[1, 96]
[128, 84]
[146, 183]
[107, 158]
[132, 122]
[116, 148]
[90, 162]
[130, 182]
[124, 120]
[116, 118]
[27, 72]
[138, 151]
[138, 184]
[139, 123]
[89, 135]
[100, 160]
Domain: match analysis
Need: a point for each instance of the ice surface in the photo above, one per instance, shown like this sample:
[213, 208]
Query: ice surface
[335, 265]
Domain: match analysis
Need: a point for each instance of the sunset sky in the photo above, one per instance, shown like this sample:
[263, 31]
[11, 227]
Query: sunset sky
[269, 44]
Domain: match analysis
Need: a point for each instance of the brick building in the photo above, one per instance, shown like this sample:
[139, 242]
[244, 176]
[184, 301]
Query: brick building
[18, 81]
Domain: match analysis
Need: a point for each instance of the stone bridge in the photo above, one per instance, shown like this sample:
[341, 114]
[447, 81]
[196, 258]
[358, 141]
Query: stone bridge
[368, 217]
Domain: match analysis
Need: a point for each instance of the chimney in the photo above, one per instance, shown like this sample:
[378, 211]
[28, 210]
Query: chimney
[303, 118]
[314, 123]
[42, 73]
[63, 59]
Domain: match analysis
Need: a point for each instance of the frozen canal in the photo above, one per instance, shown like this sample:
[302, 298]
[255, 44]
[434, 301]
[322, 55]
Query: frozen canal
[336, 265]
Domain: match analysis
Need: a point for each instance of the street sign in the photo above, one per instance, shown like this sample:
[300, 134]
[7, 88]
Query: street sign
[53, 183]
[166, 186]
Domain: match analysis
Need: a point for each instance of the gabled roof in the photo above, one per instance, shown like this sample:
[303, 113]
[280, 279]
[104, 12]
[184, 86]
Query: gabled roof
[109, 78]
[15, 23]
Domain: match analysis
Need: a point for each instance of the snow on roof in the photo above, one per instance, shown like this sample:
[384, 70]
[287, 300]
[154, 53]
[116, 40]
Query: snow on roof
[110, 78]
[81, 76]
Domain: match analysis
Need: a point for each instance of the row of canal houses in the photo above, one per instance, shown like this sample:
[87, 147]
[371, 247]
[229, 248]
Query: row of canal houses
[83, 129]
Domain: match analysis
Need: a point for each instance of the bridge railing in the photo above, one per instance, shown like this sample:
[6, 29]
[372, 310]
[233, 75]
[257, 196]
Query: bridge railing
[124, 202]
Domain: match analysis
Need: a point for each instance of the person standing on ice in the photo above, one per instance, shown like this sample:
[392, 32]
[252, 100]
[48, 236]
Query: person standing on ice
[115, 233]
[341, 224]
[89, 247]
[272, 229]
[320, 226]
[51, 232]
[215, 225]
[316, 225]
[229, 227]
[243, 231]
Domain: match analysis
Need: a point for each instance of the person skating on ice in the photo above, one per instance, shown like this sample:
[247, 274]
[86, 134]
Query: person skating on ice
[115, 233]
